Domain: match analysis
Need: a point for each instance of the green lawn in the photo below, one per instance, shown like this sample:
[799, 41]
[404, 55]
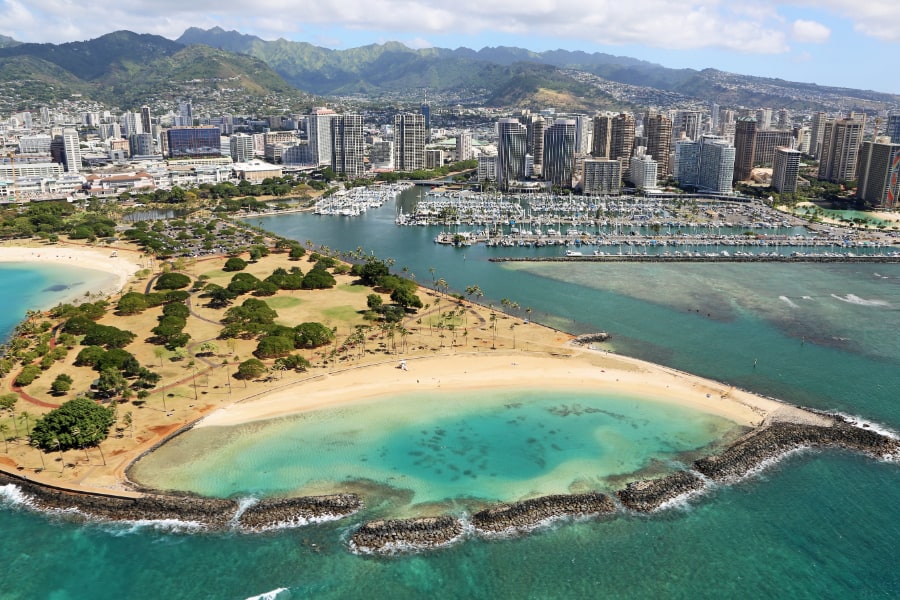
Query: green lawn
[283, 302]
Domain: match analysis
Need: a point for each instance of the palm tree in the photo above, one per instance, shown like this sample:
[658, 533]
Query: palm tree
[441, 285]
[4, 429]
[24, 415]
[129, 422]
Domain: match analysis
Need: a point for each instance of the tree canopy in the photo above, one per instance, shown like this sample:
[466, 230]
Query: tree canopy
[76, 423]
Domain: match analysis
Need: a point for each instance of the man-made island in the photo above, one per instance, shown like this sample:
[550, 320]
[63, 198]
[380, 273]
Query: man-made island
[437, 342]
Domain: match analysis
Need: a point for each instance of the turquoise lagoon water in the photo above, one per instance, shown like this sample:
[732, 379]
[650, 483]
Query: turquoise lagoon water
[438, 448]
[816, 525]
[40, 286]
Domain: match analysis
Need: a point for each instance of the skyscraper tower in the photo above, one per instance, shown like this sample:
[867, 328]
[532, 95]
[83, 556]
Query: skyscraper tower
[840, 150]
[511, 150]
[537, 141]
[816, 134]
[621, 141]
[464, 146]
[318, 132]
[347, 145]
[658, 131]
[71, 150]
[893, 127]
[409, 142]
[146, 122]
[602, 131]
[559, 152]
[744, 147]
[879, 174]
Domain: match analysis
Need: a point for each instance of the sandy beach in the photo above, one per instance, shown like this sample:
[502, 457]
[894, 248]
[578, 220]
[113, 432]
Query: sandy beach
[580, 370]
[123, 265]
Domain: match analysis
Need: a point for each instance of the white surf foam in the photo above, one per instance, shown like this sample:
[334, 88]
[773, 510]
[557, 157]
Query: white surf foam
[878, 428]
[120, 528]
[276, 594]
[854, 299]
[13, 494]
[297, 522]
[788, 301]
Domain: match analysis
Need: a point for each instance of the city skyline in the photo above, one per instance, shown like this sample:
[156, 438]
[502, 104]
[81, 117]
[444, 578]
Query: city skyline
[829, 43]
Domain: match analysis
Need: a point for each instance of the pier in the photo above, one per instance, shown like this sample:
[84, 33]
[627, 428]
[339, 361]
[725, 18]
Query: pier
[712, 258]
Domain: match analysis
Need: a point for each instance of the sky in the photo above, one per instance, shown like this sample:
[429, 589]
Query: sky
[849, 43]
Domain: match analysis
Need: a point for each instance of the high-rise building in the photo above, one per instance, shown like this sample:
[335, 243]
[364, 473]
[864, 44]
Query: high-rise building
[464, 146]
[511, 150]
[582, 134]
[140, 144]
[185, 116]
[786, 170]
[802, 137]
[602, 131]
[643, 171]
[559, 152]
[766, 142]
[687, 163]
[817, 133]
[784, 119]
[764, 118]
[893, 127]
[717, 158]
[381, 155]
[879, 175]
[194, 142]
[35, 144]
[487, 168]
[146, 121]
[535, 131]
[241, 147]
[713, 118]
[348, 145]
[71, 150]
[434, 158]
[621, 141]
[658, 131]
[131, 124]
[744, 147]
[409, 142]
[840, 150]
[318, 131]
[688, 124]
[602, 177]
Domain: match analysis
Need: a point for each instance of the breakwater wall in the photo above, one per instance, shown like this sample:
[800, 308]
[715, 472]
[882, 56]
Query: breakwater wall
[525, 515]
[772, 441]
[650, 494]
[654, 258]
[274, 513]
[212, 513]
[765, 443]
[391, 535]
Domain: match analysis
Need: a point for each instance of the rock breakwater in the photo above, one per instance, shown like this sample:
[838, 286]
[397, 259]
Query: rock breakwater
[212, 513]
[525, 515]
[771, 441]
[590, 338]
[393, 535]
[649, 495]
[274, 513]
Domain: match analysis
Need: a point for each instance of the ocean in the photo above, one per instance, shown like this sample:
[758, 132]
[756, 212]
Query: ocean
[818, 524]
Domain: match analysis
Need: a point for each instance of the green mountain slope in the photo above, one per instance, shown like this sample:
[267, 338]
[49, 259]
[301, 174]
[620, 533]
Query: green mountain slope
[125, 69]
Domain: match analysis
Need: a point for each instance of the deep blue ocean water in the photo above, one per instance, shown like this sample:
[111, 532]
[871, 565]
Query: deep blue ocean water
[815, 525]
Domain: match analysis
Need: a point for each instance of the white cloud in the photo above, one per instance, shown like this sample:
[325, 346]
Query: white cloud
[810, 31]
[875, 18]
[656, 23]
[734, 25]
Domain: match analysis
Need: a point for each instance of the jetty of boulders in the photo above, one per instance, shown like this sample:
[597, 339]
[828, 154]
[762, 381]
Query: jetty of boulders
[768, 442]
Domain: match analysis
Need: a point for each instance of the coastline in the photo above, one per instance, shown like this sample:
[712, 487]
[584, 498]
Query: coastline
[551, 361]
[121, 267]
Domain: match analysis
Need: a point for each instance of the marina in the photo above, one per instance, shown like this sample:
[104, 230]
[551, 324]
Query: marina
[356, 201]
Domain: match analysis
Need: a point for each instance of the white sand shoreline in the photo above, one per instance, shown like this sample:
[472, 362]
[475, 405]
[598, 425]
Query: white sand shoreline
[583, 371]
[121, 268]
